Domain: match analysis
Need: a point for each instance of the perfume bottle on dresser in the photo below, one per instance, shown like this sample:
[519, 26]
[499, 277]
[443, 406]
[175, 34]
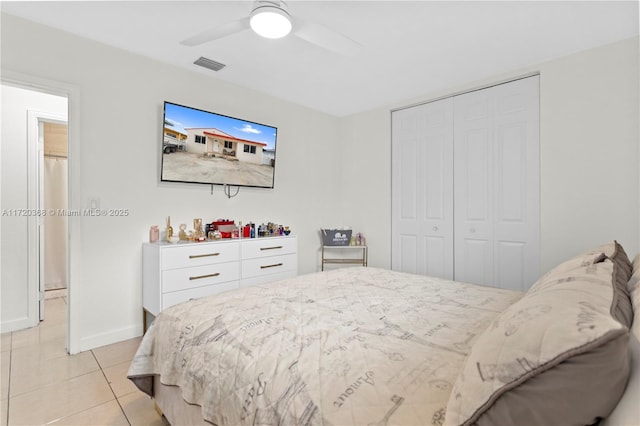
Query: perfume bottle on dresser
[169, 228]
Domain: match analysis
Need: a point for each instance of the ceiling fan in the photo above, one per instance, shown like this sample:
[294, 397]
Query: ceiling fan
[270, 14]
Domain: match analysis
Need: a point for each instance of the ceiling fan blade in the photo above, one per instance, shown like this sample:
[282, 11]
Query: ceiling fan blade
[326, 38]
[217, 32]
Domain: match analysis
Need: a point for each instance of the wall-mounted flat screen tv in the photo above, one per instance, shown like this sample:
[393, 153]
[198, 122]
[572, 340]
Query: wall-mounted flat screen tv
[204, 147]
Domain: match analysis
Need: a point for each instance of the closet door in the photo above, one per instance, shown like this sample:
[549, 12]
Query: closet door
[496, 152]
[422, 189]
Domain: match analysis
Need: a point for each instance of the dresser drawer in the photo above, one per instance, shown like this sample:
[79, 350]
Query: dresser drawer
[269, 265]
[199, 276]
[261, 279]
[196, 255]
[266, 247]
[169, 299]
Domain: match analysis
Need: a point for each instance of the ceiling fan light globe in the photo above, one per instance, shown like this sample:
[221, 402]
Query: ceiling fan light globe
[270, 22]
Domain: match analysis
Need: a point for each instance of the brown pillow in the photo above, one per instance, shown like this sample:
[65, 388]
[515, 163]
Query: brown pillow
[621, 308]
[616, 252]
[558, 356]
[634, 293]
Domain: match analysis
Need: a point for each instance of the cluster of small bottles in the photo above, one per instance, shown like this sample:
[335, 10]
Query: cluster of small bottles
[230, 230]
[217, 230]
[271, 230]
[358, 240]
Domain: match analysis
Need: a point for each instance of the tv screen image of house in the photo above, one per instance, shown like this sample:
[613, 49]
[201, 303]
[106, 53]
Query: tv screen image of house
[204, 147]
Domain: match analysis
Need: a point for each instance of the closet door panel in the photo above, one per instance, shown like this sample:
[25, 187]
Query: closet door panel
[405, 180]
[517, 176]
[473, 165]
[408, 249]
[511, 176]
[437, 223]
[409, 181]
[511, 264]
[422, 167]
[437, 259]
[496, 152]
[435, 185]
[477, 256]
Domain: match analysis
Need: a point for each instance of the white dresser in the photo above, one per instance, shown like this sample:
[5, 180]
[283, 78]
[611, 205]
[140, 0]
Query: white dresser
[174, 273]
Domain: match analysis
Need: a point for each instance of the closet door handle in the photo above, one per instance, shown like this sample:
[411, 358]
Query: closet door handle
[270, 266]
[199, 277]
[435, 229]
[472, 230]
[270, 248]
[197, 256]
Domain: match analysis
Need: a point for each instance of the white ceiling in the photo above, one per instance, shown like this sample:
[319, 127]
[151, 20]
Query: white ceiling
[409, 48]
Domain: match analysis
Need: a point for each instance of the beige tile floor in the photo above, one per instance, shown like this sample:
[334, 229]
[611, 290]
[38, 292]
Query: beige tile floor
[42, 385]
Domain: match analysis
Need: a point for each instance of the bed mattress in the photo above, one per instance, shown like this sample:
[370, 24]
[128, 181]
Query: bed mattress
[350, 346]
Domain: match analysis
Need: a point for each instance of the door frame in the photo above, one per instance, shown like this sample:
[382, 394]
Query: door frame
[72, 93]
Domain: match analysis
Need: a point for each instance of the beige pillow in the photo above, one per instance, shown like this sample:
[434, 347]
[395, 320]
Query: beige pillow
[558, 356]
[571, 269]
[583, 259]
[589, 257]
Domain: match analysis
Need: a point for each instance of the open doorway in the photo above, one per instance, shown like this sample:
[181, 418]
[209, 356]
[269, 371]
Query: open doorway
[34, 175]
[54, 196]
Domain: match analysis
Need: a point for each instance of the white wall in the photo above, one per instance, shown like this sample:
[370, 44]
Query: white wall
[588, 155]
[120, 128]
[15, 300]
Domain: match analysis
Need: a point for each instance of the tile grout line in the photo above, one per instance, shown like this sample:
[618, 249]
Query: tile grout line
[111, 388]
[9, 378]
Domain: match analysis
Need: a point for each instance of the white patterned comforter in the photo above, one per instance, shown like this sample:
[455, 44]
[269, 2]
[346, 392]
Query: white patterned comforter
[350, 346]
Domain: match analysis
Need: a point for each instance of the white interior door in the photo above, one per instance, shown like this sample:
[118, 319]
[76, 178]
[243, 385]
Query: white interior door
[36, 195]
[41, 224]
[422, 189]
[496, 151]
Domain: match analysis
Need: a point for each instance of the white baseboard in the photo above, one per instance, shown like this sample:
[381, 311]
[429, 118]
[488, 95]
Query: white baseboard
[107, 338]
[16, 324]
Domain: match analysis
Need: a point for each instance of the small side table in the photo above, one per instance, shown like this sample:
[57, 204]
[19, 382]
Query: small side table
[362, 260]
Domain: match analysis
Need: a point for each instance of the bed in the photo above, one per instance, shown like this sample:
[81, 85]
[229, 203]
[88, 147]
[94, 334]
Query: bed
[368, 346]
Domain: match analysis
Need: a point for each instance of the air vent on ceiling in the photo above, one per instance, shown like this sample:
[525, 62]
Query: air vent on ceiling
[208, 63]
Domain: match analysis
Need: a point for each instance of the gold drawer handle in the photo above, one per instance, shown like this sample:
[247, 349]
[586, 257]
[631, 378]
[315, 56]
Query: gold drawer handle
[270, 266]
[204, 276]
[270, 248]
[196, 256]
